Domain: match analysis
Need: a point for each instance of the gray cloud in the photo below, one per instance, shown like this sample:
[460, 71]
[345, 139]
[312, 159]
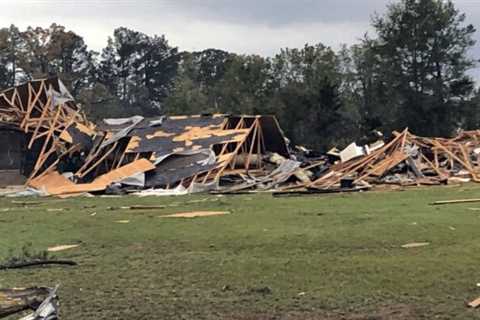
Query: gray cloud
[282, 12]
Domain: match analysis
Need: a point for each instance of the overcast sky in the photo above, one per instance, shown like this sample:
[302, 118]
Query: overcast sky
[242, 26]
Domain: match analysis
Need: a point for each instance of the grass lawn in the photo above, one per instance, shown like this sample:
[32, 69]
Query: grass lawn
[321, 257]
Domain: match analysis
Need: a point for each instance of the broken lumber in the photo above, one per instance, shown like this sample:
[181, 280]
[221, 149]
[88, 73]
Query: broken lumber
[415, 245]
[437, 203]
[475, 303]
[19, 299]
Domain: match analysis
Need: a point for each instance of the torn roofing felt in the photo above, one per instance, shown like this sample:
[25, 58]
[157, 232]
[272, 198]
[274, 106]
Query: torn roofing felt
[181, 149]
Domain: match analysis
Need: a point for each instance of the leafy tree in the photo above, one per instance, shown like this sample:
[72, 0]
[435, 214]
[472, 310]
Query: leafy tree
[98, 103]
[422, 49]
[139, 69]
[11, 44]
[245, 87]
[39, 53]
[196, 88]
[70, 59]
[309, 81]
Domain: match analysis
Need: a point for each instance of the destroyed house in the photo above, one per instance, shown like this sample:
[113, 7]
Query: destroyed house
[73, 155]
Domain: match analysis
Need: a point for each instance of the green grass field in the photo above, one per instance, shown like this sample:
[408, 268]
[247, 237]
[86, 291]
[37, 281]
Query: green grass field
[321, 257]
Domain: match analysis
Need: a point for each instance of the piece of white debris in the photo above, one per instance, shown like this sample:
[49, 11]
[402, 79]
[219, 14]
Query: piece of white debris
[415, 245]
[62, 247]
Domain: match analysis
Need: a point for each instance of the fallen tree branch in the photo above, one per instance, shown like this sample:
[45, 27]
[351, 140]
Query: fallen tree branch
[25, 264]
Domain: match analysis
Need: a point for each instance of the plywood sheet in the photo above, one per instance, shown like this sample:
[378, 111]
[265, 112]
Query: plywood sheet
[139, 166]
[388, 163]
[55, 184]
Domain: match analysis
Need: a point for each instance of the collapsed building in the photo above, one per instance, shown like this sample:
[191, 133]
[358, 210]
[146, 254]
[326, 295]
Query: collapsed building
[58, 151]
[51, 146]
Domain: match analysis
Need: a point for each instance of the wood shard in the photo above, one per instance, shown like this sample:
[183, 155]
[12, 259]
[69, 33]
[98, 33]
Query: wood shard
[475, 303]
[195, 214]
[62, 247]
[133, 144]
[65, 136]
[436, 203]
[415, 245]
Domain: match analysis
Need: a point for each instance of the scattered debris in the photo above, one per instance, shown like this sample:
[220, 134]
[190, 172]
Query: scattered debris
[195, 214]
[415, 245]
[48, 310]
[62, 247]
[218, 153]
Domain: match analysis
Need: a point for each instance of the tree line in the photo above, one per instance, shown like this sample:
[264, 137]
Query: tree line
[412, 72]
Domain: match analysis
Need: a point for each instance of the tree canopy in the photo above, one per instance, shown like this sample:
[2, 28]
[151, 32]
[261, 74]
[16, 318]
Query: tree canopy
[413, 71]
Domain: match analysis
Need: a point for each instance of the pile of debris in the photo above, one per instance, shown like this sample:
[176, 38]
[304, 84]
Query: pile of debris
[64, 154]
[406, 160]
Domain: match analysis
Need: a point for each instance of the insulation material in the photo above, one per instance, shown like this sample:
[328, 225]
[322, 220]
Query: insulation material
[351, 152]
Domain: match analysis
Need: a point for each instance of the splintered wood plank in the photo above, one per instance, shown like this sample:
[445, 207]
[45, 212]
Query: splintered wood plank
[235, 152]
[415, 245]
[103, 157]
[41, 158]
[391, 161]
[39, 123]
[436, 203]
[475, 303]
[62, 247]
[55, 163]
[254, 136]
